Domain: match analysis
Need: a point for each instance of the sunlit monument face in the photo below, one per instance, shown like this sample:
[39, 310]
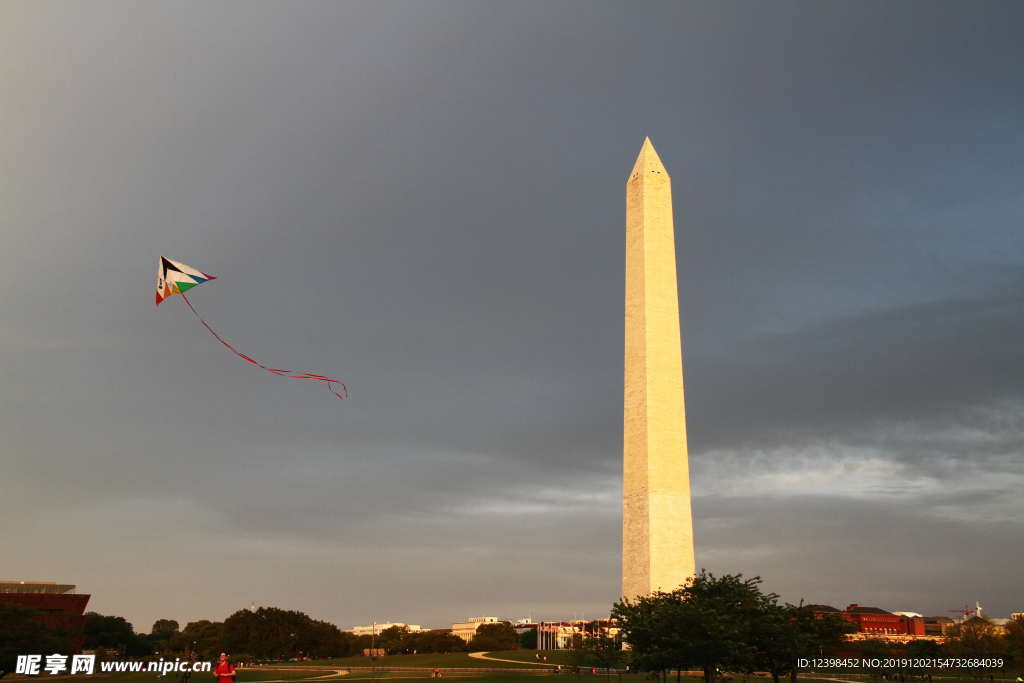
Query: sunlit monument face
[657, 533]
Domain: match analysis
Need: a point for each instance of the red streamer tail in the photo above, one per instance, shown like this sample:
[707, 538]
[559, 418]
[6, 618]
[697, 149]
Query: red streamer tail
[335, 386]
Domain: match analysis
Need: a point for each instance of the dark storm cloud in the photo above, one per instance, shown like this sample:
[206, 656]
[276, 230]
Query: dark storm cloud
[426, 199]
[909, 361]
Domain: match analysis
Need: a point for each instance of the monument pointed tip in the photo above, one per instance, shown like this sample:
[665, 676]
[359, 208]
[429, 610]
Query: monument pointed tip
[648, 161]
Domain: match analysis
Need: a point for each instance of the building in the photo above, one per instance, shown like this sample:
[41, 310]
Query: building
[60, 608]
[467, 629]
[375, 629]
[657, 524]
[986, 625]
[937, 626]
[1000, 623]
[521, 626]
[559, 635]
[875, 622]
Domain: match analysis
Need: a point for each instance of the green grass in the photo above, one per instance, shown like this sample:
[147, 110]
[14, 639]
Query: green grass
[456, 660]
[309, 676]
[482, 677]
[554, 656]
[154, 677]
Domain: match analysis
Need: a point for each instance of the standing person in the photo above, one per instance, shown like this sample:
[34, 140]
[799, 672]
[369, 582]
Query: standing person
[225, 670]
[187, 673]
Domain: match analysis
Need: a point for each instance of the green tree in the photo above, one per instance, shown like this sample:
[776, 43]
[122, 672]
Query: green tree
[395, 639]
[1015, 641]
[785, 633]
[873, 649]
[602, 651]
[641, 621]
[708, 623]
[113, 633]
[160, 635]
[164, 628]
[22, 631]
[499, 636]
[922, 650]
[327, 640]
[437, 641]
[528, 639]
[977, 638]
[204, 637]
[273, 633]
[360, 643]
[778, 639]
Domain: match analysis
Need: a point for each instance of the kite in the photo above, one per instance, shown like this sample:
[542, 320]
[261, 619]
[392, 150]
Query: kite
[177, 278]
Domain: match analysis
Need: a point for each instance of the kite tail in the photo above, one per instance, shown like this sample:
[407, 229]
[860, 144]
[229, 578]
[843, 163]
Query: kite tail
[335, 386]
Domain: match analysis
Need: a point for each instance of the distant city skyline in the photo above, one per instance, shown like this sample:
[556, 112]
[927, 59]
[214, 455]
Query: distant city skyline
[426, 200]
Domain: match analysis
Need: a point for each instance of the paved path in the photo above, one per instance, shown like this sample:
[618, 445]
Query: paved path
[483, 655]
[337, 673]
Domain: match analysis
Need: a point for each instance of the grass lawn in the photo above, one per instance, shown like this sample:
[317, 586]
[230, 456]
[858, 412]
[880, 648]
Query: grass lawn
[457, 660]
[554, 656]
[324, 672]
[153, 677]
[482, 677]
[314, 676]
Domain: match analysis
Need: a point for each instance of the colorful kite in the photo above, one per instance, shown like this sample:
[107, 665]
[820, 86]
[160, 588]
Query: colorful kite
[177, 278]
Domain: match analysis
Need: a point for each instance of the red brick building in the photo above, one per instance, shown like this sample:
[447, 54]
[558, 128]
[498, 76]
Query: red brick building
[61, 609]
[874, 621]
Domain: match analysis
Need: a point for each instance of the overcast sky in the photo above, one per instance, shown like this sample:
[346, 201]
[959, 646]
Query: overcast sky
[426, 199]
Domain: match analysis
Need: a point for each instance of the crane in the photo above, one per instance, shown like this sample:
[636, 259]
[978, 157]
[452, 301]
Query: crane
[962, 612]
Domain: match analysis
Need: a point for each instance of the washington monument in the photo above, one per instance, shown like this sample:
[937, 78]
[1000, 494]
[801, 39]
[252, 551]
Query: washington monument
[657, 529]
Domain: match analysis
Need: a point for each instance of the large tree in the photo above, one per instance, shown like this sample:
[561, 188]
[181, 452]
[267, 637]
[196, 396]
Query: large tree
[161, 634]
[395, 639]
[164, 628]
[113, 633]
[1015, 641]
[601, 651]
[528, 639]
[978, 638]
[708, 623]
[785, 633]
[204, 637]
[499, 636]
[441, 641]
[272, 633]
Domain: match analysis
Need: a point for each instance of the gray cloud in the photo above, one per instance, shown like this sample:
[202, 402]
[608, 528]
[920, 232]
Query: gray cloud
[427, 200]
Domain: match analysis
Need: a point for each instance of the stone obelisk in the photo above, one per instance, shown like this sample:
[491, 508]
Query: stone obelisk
[657, 529]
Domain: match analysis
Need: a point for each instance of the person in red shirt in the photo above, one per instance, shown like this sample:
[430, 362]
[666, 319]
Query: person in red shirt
[225, 670]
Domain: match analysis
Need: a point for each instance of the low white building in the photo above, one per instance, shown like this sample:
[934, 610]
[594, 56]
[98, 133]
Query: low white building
[375, 629]
[467, 629]
[559, 635]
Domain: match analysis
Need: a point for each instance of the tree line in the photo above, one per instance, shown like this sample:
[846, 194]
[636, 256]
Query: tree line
[266, 633]
[400, 640]
[724, 623]
[727, 623]
[713, 623]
